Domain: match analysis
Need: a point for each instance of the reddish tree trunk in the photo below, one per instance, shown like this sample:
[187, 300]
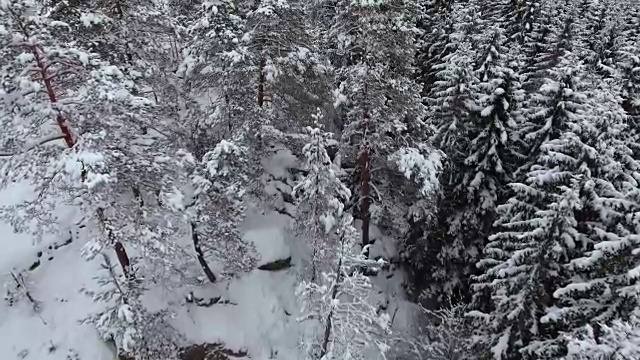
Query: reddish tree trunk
[69, 140]
[365, 185]
[63, 124]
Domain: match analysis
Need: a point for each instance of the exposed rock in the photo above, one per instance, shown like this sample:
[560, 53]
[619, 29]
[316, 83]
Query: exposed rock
[210, 352]
[34, 265]
[277, 265]
[192, 299]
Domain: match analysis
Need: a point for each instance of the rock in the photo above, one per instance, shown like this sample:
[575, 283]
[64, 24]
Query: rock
[277, 265]
[210, 352]
[34, 265]
[192, 299]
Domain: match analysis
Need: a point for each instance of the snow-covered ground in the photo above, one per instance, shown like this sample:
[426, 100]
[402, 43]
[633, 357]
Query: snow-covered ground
[260, 317]
[54, 332]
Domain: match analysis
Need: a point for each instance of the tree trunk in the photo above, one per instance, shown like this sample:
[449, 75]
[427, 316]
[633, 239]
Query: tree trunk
[62, 122]
[261, 81]
[327, 329]
[121, 252]
[200, 254]
[365, 188]
[123, 259]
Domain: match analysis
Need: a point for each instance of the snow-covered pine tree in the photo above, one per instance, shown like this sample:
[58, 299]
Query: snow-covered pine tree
[384, 134]
[218, 95]
[618, 341]
[436, 26]
[140, 37]
[491, 153]
[53, 91]
[520, 16]
[545, 83]
[137, 333]
[292, 76]
[535, 41]
[213, 200]
[629, 64]
[338, 296]
[474, 112]
[590, 23]
[320, 196]
[524, 266]
[348, 325]
[445, 335]
[604, 286]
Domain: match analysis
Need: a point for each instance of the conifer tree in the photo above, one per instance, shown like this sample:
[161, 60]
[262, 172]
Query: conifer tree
[349, 326]
[539, 229]
[54, 91]
[384, 133]
[320, 197]
[450, 105]
[135, 331]
[617, 341]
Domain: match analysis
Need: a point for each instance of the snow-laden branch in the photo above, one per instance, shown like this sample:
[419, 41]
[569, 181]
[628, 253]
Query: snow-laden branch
[33, 145]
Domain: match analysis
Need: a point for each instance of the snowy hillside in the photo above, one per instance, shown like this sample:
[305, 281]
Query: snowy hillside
[254, 316]
[320, 179]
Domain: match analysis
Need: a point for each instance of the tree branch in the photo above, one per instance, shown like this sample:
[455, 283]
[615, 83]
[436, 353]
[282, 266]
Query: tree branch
[33, 146]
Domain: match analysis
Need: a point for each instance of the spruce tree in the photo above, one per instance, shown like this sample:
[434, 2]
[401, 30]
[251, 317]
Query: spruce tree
[450, 105]
[538, 230]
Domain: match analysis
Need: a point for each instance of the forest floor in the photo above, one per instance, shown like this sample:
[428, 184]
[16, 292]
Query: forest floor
[259, 317]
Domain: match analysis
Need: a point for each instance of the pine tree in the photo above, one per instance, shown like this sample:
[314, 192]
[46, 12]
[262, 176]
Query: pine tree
[616, 342]
[320, 197]
[497, 99]
[291, 72]
[338, 300]
[213, 60]
[436, 25]
[604, 287]
[629, 63]
[348, 325]
[54, 91]
[213, 200]
[136, 332]
[383, 113]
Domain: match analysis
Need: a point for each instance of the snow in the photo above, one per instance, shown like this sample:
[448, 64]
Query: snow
[55, 333]
[278, 164]
[424, 169]
[260, 319]
[258, 323]
[266, 232]
[89, 19]
[500, 349]
[339, 97]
